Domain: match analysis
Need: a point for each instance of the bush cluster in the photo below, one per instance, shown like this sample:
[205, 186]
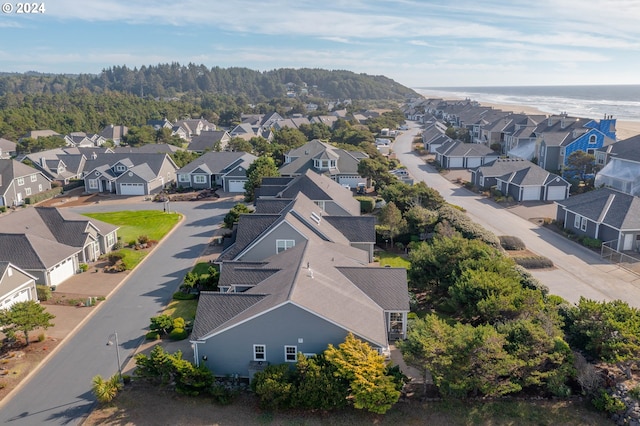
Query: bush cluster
[511, 243]
[44, 292]
[45, 195]
[534, 262]
[165, 325]
[469, 229]
[367, 204]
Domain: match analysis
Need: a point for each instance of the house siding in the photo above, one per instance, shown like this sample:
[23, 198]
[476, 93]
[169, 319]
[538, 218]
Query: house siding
[230, 352]
[267, 246]
[608, 233]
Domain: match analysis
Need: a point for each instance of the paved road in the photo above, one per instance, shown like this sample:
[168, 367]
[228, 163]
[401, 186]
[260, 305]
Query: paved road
[60, 392]
[579, 271]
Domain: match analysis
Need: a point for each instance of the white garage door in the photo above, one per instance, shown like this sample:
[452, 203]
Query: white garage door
[556, 193]
[455, 162]
[131, 189]
[530, 193]
[473, 162]
[61, 272]
[352, 181]
[235, 185]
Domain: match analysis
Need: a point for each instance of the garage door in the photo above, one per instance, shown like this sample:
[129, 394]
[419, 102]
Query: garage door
[61, 272]
[131, 189]
[235, 185]
[556, 193]
[473, 162]
[455, 162]
[530, 193]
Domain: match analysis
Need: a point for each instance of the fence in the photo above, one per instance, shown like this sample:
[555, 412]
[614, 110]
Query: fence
[626, 261]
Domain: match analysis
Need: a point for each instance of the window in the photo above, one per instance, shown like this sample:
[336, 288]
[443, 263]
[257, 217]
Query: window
[111, 239]
[592, 139]
[93, 183]
[199, 179]
[120, 168]
[282, 245]
[291, 353]
[576, 221]
[259, 352]
[34, 178]
[40, 187]
[27, 191]
[20, 181]
[396, 322]
[183, 178]
[583, 224]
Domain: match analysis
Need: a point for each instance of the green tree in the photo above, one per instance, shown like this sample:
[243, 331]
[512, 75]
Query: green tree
[318, 384]
[26, 317]
[391, 219]
[232, 217]
[106, 390]
[161, 323]
[364, 368]
[581, 163]
[420, 219]
[262, 167]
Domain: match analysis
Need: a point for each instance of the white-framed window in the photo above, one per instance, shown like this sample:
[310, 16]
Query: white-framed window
[27, 191]
[396, 322]
[199, 179]
[34, 178]
[282, 245]
[183, 178]
[259, 352]
[583, 224]
[592, 139]
[120, 168]
[20, 181]
[93, 183]
[576, 221]
[111, 239]
[291, 353]
[40, 187]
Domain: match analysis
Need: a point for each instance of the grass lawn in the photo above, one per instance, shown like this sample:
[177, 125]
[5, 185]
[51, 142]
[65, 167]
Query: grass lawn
[394, 260]
[152, 223]
[182, 308]
[201, 268]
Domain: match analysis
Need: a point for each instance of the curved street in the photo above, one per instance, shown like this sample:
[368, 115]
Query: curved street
[578, 272]
[60, 392]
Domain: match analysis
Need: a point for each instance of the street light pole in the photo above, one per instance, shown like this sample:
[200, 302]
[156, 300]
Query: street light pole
[115, 336]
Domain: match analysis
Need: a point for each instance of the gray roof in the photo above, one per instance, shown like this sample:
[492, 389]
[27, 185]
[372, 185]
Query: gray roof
[219, 162]
[28, 251]
[605, 205]
[12, 169]
[380, 284]
[302, 159]
[460, 149]
[271, 205]
[627, 149]
[249, 227]
[149, 148]
[7, 146]
[517, 171]
[154, 161]
[357, 229]
[207, 140]
[214, 309]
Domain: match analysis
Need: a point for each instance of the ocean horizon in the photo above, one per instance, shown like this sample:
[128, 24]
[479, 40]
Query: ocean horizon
[594, 101]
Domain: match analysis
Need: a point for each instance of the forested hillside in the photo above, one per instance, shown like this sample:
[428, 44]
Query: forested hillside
[169, 80]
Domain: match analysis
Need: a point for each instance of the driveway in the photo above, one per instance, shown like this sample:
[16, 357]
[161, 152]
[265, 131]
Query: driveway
[578, 272]
[60, 391]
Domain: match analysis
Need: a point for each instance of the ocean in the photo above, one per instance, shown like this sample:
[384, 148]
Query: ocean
[620, 101]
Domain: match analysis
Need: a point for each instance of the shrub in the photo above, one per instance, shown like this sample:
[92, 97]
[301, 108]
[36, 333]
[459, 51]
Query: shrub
[367, 204]
[106, 390]
[534, 262]
[608, 403]
[41, 337]
[45, 195]
[509, 242]
[221, 394]
[635, 392]
[273, 386]
[178, 323]
[143, 239]
[591, 242]
[161, 323]
[114, 257]
[461, 223]
[83, 267]
[3, 209]
[179, 295]
[178, 334]
[152, 335]
[44, 292]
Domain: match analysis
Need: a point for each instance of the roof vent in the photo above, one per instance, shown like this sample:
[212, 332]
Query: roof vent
[316, 217]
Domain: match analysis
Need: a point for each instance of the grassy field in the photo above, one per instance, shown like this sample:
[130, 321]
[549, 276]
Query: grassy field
[394, 260]
[152, 223]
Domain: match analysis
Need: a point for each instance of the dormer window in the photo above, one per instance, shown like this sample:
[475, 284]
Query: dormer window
[592, 139]
[120, 168]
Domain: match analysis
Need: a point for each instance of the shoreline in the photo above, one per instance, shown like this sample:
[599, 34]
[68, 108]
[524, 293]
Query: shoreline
[624, 129]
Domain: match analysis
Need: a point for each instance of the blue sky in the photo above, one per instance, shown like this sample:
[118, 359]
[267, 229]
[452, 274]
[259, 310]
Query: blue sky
[417, 43]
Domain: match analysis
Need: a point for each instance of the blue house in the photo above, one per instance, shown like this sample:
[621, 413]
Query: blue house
[560, 135]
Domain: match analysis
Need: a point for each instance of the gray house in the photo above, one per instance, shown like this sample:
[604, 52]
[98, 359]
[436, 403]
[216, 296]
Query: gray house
[16, 286]
[129, 173]
[521, 179]
[605, 214]
[457, 155]
[210, 140]
[19, 181]
[299, 301]
[7, 148]
[227, 170]
[322, 158]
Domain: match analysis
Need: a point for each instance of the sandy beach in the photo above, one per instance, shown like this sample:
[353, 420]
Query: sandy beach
[624, 129]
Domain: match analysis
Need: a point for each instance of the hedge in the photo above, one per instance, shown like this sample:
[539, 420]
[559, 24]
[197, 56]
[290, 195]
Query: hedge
[45, 195]
[178, 334]
[534, 262]
[461, 223]
[43, 292]
[509, 242]
[180, 295]
[367, 204]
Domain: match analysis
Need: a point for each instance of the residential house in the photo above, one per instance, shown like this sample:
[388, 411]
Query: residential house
[456, 155]
[620, 164]
[35, 134]
[149, 148]
[521, 180]
[129, 173]
[19, 182]
[332, 198]
[339, 164]
[58, 165]
[560, 135]
[292, 123]
[605, 214]
[159, 124]
[84, 140]
[434, 135]
[193, 127]
[16, 286]
[7, 149]
[227, 170]
[328, 120]
[114, 133]
[210, 140]
[49, 243]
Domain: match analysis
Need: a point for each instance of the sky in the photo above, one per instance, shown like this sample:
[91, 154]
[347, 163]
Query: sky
[418, 43]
